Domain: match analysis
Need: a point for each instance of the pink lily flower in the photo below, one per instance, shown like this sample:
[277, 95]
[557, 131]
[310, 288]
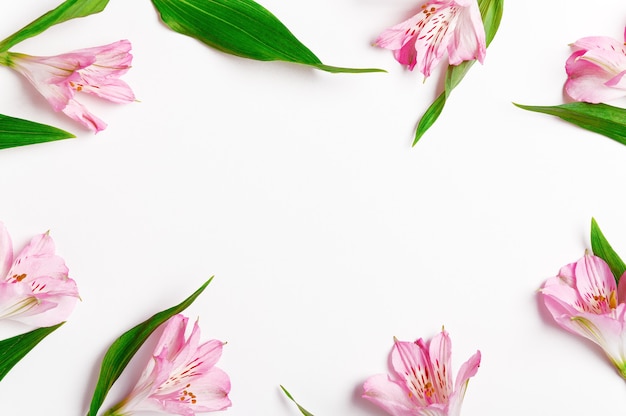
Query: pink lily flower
[34, 286]
[596, 69]
[584, 299]
[422, 40]
[181, 378]
[422, 381]
[93, 71]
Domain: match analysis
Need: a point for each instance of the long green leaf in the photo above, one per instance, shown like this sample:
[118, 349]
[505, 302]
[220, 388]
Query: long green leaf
[69, 9]
[19, 132]
[601, 248]
[491, 13]
[302, 409]
[600, 118]
[124, 348]
[12, 350]
[242, 28]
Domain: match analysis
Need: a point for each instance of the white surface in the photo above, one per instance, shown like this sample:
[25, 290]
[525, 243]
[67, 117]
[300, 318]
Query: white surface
[327, 233]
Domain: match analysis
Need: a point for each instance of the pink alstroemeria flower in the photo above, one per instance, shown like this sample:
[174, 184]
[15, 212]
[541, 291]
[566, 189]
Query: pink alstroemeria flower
[93, 71]
[34, 286]
[422, 40]
[596, 70]
[584, 299]
[422, 381]
[180, 378]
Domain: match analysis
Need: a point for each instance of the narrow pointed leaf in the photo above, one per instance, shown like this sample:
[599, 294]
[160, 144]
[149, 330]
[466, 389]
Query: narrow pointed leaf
[19, 132]
[12, 350]
[69, 9]
[302, 409]
[242, 28]
[124, 348]
[600, 118]
[601, 248]
[491, 13]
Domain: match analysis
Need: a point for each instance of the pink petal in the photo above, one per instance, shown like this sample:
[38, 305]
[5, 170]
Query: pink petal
[6, 252]
[467, 371]
[38, 259]
[468, 41]
[440, 351]
[388, 395]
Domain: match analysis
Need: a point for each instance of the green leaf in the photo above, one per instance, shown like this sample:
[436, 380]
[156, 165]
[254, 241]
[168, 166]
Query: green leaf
[12, 350]
[491, 13]
[600, 118]
[19, 132]
[242, 28]
[70, 9]
[601, 248]
[302, 409]
[124, 348]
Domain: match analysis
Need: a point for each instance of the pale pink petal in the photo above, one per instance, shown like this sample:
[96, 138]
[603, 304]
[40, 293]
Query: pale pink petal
[467, 371]
[79, 112]
[440, 351]
[388, 395]
[38, 259]
[6, 252]
[595, 284]
[468, 41]
[206, 394]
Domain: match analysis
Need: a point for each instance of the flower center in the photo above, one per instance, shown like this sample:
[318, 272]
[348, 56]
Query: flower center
[187, 395]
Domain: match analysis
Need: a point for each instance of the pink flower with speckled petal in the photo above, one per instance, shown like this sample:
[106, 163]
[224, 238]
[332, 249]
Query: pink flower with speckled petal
[34, 285]
[596, 70]
[94, 71]
[585, 300]
[422, 381]
[454, 26]
[181, 378]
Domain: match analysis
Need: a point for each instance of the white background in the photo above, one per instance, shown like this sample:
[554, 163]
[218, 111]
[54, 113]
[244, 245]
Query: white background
[326, 232]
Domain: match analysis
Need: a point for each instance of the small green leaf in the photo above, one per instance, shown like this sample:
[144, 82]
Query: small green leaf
[69, 9]
[12, 350]
[242, 28]
[600, 118]
[124, 348]
[302, 409]
[601, 248]
[19, 132]
[491, 13]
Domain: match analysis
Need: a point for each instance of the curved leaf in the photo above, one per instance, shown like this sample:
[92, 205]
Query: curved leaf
[124, 348]
[491, 13]
[601, 248]
[70, 9]
[19, 132]
[302, 409]
[600, 118]
[12, 350]
[242, 28]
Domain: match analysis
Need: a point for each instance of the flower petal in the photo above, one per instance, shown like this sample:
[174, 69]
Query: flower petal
[388, 395]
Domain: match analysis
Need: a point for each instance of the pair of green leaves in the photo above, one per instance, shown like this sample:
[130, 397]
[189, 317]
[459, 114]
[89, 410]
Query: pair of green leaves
[491, 13]
[238, 27]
